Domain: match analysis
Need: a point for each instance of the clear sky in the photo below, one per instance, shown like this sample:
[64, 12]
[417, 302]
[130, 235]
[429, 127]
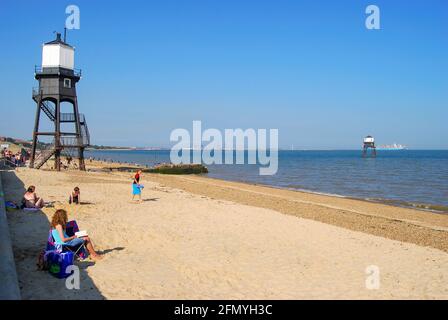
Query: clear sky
[309, 68]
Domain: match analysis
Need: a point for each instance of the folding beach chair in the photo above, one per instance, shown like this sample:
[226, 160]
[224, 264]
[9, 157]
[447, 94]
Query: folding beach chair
[79, 251]
[70, 229]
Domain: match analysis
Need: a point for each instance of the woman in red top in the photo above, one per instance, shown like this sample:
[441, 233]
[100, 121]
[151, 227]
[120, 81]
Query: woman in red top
[137, 177]
[136, 187]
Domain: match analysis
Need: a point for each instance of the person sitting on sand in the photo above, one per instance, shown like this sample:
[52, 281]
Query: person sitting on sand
[75, 196]
[31, 200]
[58, 223]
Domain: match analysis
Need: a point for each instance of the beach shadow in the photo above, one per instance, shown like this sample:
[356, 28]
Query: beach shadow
[49, 204]
[150, 199]
[111, 250]
[29, 233]
[82, 203]
[84, 264]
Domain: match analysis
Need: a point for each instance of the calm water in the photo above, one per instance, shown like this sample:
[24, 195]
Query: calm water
[403, 177]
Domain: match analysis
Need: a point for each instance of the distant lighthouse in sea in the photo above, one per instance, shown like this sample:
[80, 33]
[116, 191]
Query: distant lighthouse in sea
[369, 143]
[57, 79]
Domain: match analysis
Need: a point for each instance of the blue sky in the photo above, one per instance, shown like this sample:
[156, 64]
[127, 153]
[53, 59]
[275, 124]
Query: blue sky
[309, 68]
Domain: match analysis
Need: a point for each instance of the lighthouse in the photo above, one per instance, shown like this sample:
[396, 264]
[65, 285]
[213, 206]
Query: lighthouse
[57, 78]
[368, 143]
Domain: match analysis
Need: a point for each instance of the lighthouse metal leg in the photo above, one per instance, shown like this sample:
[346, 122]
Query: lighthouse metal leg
[82, 165]
[36, 130]
[57, 137]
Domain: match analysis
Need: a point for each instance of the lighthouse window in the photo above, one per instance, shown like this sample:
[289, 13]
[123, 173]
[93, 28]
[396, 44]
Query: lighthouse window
[67, 83]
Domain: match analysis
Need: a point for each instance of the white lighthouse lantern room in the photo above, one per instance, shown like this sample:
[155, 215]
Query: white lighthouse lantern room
[58, 54]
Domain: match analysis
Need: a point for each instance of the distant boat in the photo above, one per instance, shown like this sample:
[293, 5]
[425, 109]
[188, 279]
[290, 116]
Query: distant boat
[394, 146]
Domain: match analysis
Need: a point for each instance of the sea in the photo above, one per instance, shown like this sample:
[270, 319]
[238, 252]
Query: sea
[408, 178]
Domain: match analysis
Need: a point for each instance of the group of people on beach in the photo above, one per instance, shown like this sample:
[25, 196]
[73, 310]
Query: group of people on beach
[68, 163]
[60, 219]
[31, 200]
[17, 159]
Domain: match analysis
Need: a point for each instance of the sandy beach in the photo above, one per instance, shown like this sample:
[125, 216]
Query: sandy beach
[198, 238]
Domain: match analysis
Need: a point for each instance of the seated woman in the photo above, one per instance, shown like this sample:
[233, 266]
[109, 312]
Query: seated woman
[75, 196]
[58, 223]
[31, 200]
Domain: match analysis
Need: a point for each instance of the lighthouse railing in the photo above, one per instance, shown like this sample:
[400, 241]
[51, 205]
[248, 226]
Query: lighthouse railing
[39, 70]
[74, 141]
[70, 117]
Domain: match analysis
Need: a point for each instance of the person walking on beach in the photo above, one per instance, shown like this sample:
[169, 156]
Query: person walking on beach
[136, 186]
[137, 176]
